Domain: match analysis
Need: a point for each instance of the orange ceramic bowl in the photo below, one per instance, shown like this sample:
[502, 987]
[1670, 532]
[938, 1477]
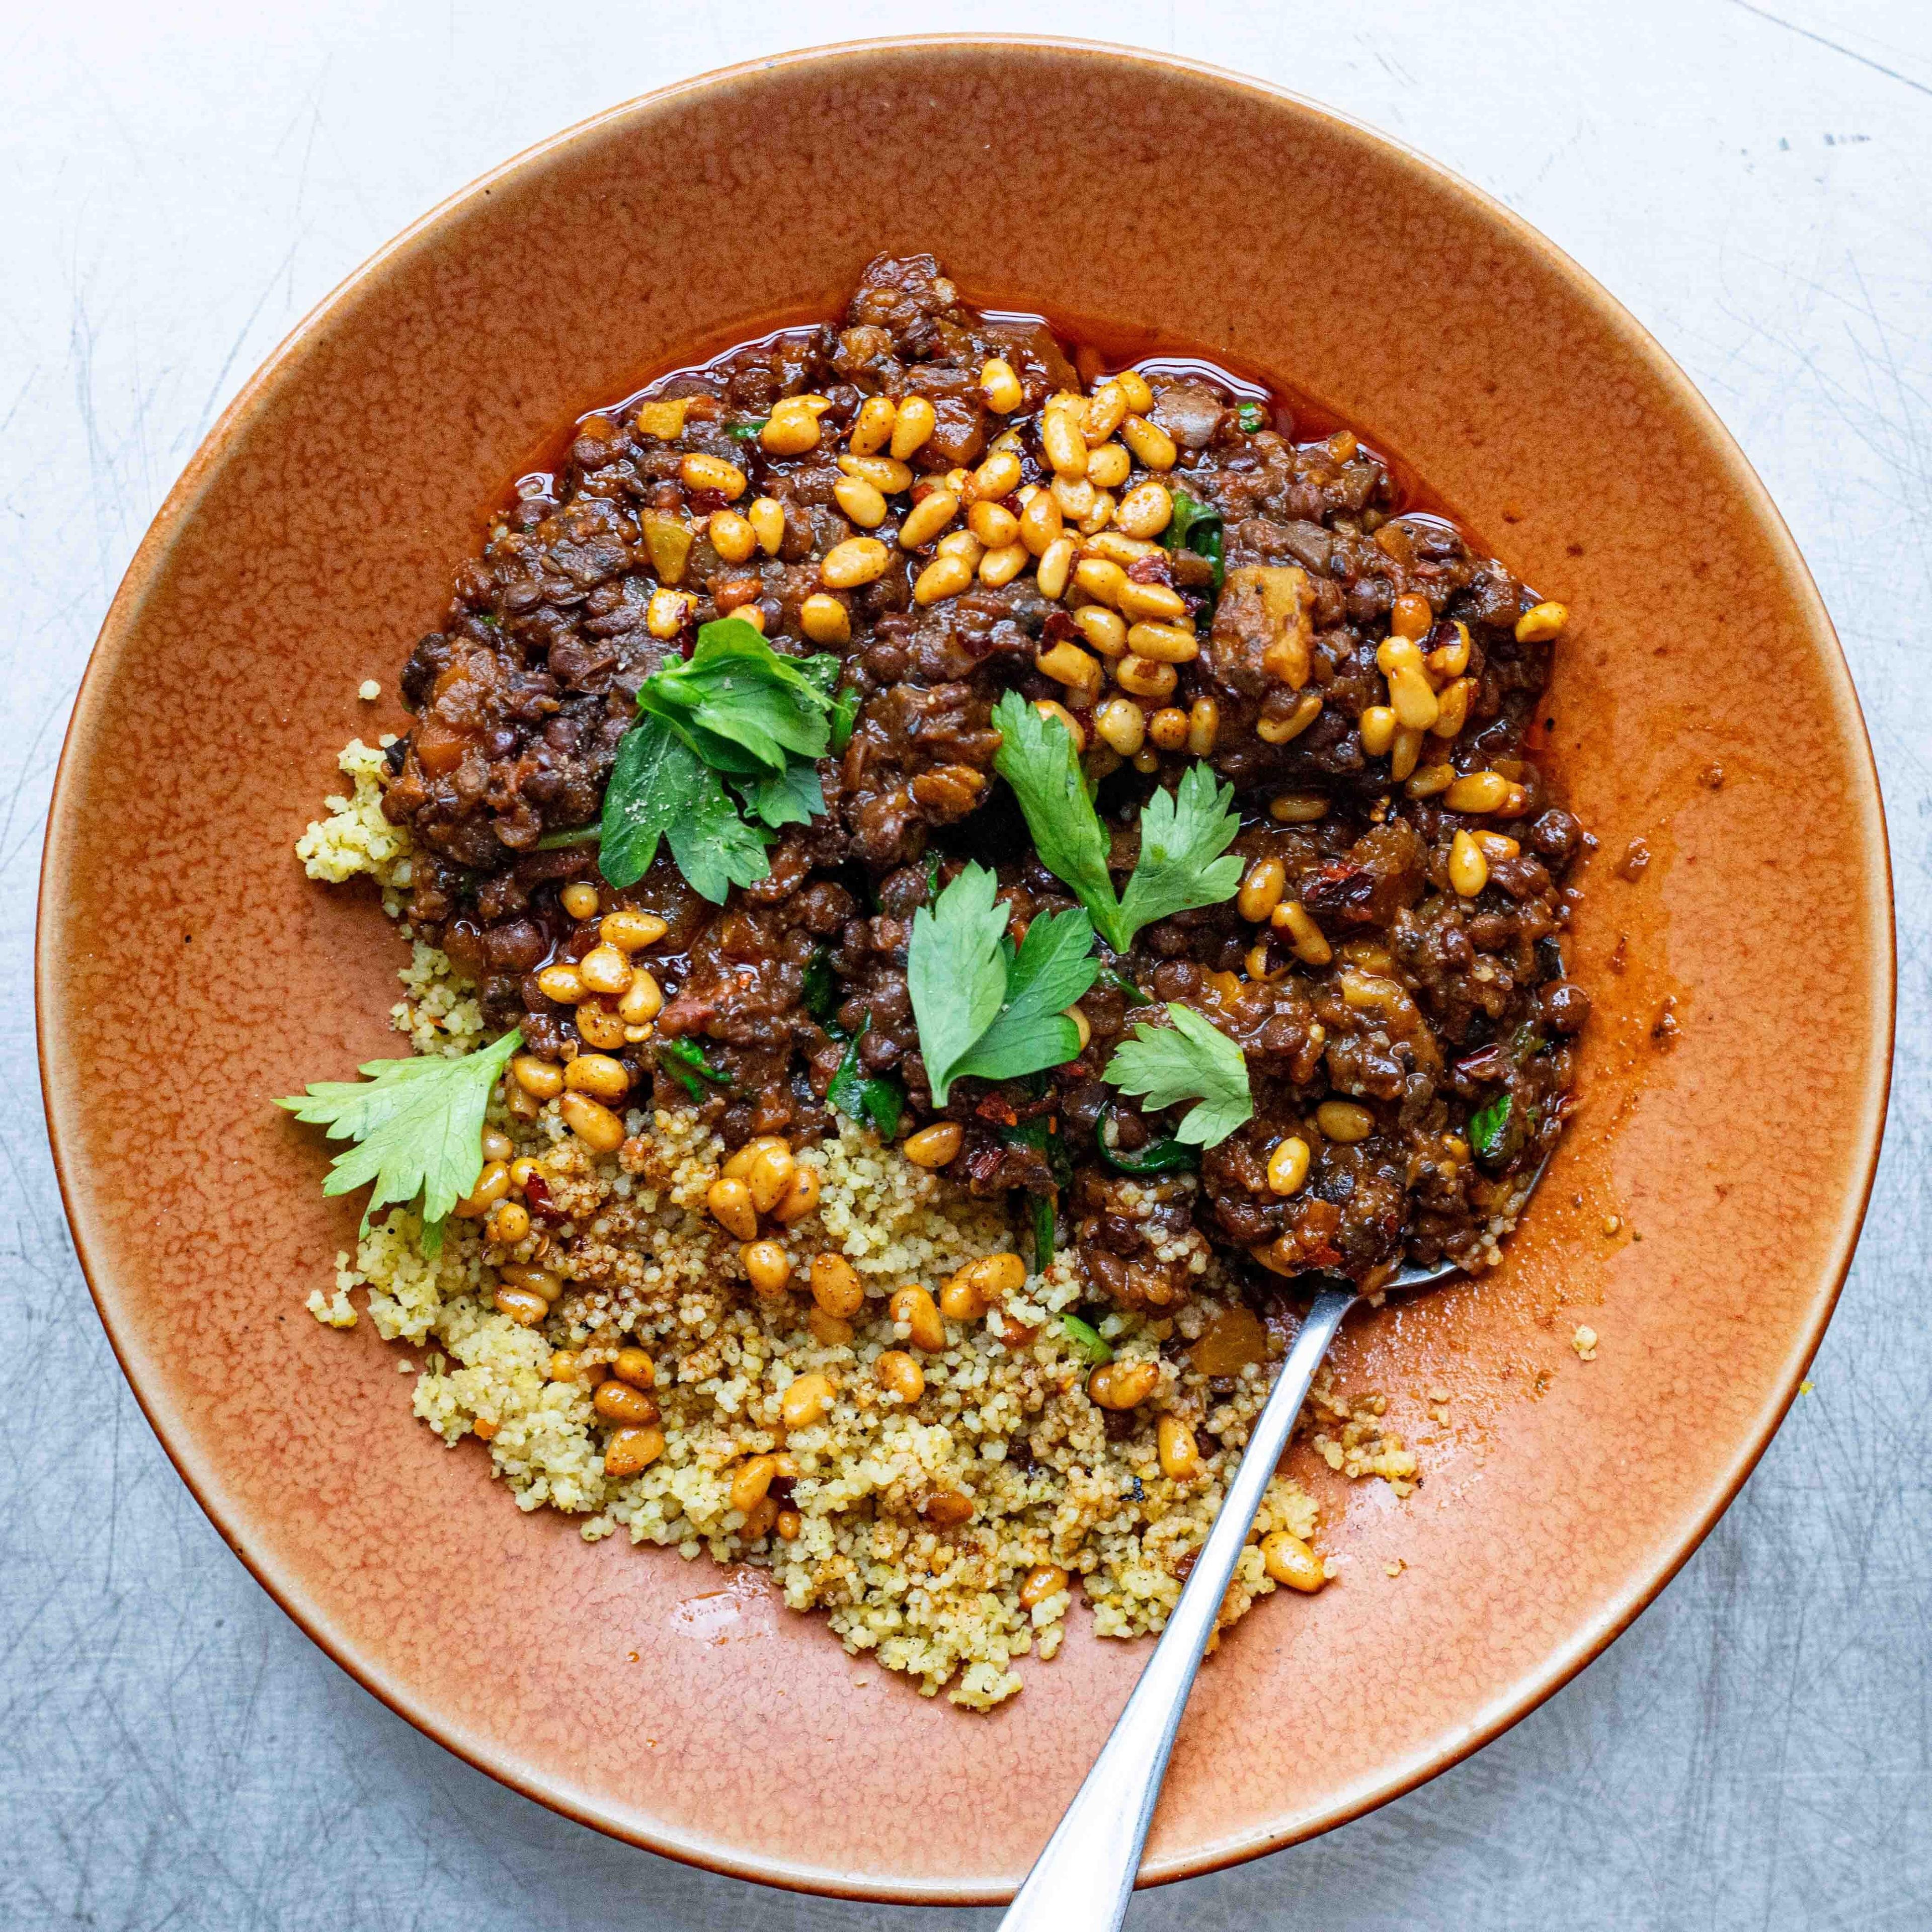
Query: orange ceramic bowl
[188, 971]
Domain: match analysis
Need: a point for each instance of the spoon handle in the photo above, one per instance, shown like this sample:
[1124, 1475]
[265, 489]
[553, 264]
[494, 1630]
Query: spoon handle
[1082, 1881]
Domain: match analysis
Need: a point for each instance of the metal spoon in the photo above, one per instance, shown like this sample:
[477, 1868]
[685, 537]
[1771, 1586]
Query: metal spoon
[1082, 1881]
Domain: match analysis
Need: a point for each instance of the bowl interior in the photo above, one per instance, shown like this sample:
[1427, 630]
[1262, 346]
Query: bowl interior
[189, 972]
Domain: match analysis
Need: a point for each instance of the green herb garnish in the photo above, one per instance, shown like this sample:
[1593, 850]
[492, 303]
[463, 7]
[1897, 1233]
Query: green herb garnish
[876, 1097]
[1183, 833]
[743, 432]
[1086, 1339]
[1112, 976]
[688, 1066]
[736, 709]
[1488, 1126]
[1043, 1233]
[844, 715]
[1252, 417]
[821, 987]
[418, 1127]
[984, 1008]
[577, 835]
[1190, 1058]
[1197, 526]
[1163, 1156]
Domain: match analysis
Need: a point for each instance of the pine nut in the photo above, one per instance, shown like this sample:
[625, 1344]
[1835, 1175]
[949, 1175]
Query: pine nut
[927, 518]
[856, 561]
[872, 428]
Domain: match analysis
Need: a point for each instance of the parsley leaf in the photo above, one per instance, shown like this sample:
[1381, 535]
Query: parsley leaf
[1192, 1057]
[1489, 1125]
[956, 972]
[877, 1097]
[983, 1009]
[821, 987]
[794, 797]
[660, 788]
[739, 705]
[1037, 759]
[1197, 526]
[1183, 834]
[687, 1064]
[844, 715]
[418, 1124]
[1043, 1233]
[1086, 1339]
[1252, 417]
[738, 708]
[1053, 967]
[743, 432]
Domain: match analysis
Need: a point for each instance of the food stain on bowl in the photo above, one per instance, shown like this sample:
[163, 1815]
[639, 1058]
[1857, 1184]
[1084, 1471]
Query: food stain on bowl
[741, 1613]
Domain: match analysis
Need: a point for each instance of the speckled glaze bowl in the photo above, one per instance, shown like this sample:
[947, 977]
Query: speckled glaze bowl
[1699, 1217]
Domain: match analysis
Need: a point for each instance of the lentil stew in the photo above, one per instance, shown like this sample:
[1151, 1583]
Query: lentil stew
[933, 498]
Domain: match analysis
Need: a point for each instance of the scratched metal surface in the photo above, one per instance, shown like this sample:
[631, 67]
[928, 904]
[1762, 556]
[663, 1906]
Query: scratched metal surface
[184, 182]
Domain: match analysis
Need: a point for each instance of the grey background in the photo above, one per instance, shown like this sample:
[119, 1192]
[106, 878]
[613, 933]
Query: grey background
[183, 183]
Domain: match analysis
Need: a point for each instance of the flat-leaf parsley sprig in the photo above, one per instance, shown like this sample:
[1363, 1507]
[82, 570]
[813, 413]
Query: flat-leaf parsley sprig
[1183, 833]
[984, 1008]
[737, 714]
[418, 1125]
[1191, 1059]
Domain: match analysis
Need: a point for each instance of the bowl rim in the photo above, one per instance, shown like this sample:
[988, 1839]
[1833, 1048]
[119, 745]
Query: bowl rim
[1516, 1700]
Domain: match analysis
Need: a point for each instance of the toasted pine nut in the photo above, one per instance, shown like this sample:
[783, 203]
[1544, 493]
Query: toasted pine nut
[1041, 523]
[1104, 630]
[1282, 730]
[872, 428]
[824, 620]
[1288, 1166]
[1055, 564]
[592, 1122]
[1068, 664]
[767, 1266]
[944, 577]
[1164, 644]
[1411, 616]
[1478, 791]
[1000, 387]
[861, 503]
[664, 612]
[1290, 1561]
[1540, 622]
[927, 518]
[1377, 727]
[856, 561]
[1297, 808]
[914, 1309]
[994, 524]
[1469, 869]
[933, 1146]
[1002, 565]
[1107, 466]
[1261, 891]
[1150, 443]
[1311, 945]
[1062, 444]
[914, 423]
[1121, 723]
[1145, 511]
[885, 474]
[713, 472]
[1146, 677]
[1167, 727]
[1179, 1453]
